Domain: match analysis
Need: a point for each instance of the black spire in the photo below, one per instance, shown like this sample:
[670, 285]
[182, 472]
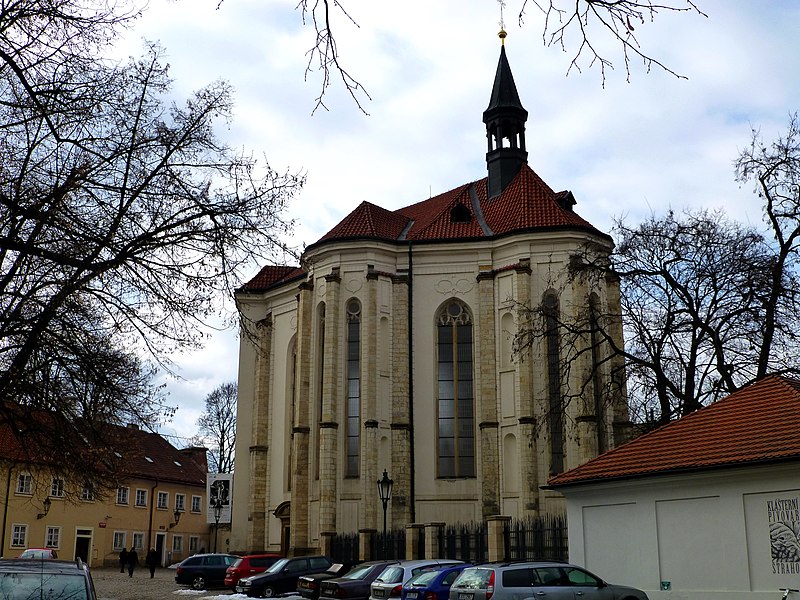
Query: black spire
[505, 128]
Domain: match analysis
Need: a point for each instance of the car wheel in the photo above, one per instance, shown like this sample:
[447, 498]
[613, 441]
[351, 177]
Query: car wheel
[199, 582]
[269, 592]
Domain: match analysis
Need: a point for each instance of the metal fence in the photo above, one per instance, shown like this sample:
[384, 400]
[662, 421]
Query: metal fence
[344, 548]
[464, 541]
[390, 546]
[537, 538]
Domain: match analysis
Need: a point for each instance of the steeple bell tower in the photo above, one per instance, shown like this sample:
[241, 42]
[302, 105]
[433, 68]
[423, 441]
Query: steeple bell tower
[505, 128]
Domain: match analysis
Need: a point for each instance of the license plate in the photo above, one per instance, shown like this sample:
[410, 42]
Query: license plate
[465, 596]
[378, 593]
[304, 584]
[411, 595]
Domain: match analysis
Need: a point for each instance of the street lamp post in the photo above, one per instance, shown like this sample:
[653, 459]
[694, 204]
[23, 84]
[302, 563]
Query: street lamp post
[385, 494]
[217, 505]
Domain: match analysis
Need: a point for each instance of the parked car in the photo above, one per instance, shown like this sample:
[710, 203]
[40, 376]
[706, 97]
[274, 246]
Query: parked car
[204, 570]
[508, 581]
[52, 578]
[432, 585]
[389, 584]
[355, 585]
[248, 566]
[308, 585]
[282, 576]
[40, 553]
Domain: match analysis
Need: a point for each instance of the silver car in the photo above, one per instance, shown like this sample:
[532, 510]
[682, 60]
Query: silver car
[389, 584]
[553, 580]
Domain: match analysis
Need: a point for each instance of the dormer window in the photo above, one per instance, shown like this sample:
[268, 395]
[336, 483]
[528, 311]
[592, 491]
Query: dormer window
[460, 214]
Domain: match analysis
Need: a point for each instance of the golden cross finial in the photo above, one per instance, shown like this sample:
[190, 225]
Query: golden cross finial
[502, 34]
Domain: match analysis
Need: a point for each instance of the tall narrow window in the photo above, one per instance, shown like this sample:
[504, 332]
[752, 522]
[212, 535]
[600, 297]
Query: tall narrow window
[456, 418]
[555, 410]
[321, 388]
[597, 379]
[353, 386]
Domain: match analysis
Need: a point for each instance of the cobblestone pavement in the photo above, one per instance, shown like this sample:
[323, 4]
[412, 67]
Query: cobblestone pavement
[110, 584]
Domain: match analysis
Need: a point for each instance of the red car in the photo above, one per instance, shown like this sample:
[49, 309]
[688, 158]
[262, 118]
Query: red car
[249, 565]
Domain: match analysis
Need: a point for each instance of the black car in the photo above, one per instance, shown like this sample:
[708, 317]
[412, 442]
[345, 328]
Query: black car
[25, 578]
[203, 570]
[282, 576]
[355, 584]
[308, 585]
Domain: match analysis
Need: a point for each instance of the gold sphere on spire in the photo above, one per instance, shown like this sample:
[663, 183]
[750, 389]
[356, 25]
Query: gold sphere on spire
[502, 35]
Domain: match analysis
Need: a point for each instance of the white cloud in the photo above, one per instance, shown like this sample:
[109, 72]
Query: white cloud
[622, 148]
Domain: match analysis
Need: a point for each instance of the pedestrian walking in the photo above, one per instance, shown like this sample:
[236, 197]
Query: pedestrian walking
[133, 561]
[123, 560]
[151, 560]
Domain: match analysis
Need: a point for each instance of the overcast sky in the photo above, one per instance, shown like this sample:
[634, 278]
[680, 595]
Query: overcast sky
[624, 148]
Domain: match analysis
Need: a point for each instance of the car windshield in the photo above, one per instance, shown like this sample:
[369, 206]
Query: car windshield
[50, 586]
[391, 575]
[473, 579]
[423, 578]
[358, 573]
[278, 566]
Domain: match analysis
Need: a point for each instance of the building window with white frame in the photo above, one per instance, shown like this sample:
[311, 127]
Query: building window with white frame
[122, 495]
[119, 540]
[57, 487]
[197, 503]
[53, 537]
[180, 502]
[194, 544]
[177, 543]
[24, 484]
[141, 497]
[163, 500]
[138, 541]
[19, 536]
[87, 493]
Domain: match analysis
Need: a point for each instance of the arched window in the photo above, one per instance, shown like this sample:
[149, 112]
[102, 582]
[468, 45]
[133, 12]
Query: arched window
[456, 413]
[555, 409]
[597, 379]
[353, 386]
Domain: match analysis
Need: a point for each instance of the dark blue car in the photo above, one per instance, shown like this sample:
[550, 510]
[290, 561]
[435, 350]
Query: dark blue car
[431, 585]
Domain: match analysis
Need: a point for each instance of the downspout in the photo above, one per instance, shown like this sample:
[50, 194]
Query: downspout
[5, 511]
[412, 487]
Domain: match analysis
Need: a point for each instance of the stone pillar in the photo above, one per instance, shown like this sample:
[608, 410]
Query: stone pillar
[369, 387]
[301, 438]
[496, 526]
[366, 544]
[486, 409]
[401, 468]
[432, 533]
[526, 408]
[328, 426]
[414, 533]
[326, 542]
[257, 535]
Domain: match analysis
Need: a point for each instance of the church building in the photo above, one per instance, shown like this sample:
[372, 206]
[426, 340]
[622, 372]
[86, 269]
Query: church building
[391, 348]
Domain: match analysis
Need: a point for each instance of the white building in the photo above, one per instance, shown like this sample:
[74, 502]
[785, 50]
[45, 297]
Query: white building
[704, 508]
[390, 348]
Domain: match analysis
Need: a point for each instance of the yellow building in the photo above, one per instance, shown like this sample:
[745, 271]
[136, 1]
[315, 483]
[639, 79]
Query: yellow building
[160, 504]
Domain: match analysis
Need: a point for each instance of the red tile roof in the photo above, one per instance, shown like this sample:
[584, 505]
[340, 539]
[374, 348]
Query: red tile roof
[757, 424]
[131, 447]
[527, 204]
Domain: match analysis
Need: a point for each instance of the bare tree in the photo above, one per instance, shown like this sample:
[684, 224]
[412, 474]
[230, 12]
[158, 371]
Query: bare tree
[217, 428]
[123, 220]
[583, 24]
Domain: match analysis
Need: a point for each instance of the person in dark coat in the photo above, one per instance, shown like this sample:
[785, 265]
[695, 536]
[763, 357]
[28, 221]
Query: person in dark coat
[133, 561]
[123, 560]
[151, 560]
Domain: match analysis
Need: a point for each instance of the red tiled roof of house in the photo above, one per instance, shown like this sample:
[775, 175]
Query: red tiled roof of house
[757, 424]
[131, 447]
